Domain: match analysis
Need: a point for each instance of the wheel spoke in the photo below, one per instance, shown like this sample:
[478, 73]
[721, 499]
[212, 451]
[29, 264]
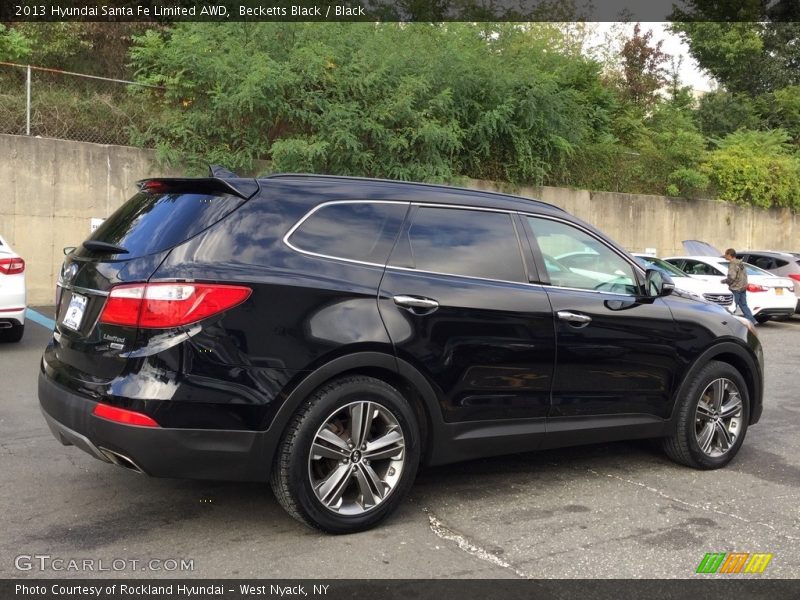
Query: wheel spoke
[332, 487]
[333, 447]
[724, 436]
[385, 446]
[369, 484]
[361, 415]
[322, 451]
[732, 407]
[704, 410]
[705, 437]
[718, 389]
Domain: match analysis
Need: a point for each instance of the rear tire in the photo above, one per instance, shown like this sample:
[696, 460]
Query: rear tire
[712, 418]
[348, 457]
[14, 334]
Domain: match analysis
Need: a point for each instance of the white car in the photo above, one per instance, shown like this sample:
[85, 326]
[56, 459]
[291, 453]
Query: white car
[768, 296]
[12, 294]
[711, 291]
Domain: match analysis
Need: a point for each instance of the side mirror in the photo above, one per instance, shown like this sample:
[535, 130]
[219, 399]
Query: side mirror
[69, 250]
[658, 284]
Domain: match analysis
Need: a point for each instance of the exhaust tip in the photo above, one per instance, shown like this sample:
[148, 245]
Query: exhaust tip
[121, 460]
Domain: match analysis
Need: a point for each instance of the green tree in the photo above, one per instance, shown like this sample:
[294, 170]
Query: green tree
[720, 113]
[749, 56]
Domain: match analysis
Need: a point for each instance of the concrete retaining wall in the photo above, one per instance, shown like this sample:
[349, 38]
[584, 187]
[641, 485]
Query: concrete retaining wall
[50, 190]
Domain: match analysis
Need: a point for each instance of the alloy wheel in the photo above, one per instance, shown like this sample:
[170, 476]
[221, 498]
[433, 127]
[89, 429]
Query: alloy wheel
[718, 417]
[357, 458]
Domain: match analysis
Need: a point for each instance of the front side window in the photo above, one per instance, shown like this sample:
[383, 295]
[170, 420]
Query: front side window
[575, 259]
[361, 231]
[465, 242]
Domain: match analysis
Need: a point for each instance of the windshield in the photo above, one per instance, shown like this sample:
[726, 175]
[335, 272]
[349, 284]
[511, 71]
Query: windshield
[651, 262]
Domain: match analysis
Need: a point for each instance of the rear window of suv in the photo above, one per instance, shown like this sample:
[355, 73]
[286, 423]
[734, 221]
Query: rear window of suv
[154, 222]
[361, 230]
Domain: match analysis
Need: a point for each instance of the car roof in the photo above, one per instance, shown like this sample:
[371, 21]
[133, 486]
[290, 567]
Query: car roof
[773, 253]
[698, 257]
[356, 188]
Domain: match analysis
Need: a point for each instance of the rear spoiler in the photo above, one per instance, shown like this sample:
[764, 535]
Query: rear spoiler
[239, 186]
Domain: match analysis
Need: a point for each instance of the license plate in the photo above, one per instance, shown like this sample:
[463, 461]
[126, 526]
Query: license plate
[779, 291]
[74, 316]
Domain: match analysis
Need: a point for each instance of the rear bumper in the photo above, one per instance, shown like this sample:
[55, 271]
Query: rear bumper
[775, 313]
[159, 452]
[14, 315]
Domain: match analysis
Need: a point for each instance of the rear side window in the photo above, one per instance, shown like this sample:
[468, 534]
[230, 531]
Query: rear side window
[154, 222]
[361, 231]
[466, 242]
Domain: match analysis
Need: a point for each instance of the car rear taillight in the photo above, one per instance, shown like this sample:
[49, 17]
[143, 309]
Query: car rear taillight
[795, 276]
[166, 305]
[121, 415]
[12, 266]
[752, 287]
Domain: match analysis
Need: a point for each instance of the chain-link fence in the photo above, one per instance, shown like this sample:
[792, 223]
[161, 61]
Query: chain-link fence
[72, 106]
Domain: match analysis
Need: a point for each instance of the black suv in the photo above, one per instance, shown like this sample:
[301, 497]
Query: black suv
[329, 334]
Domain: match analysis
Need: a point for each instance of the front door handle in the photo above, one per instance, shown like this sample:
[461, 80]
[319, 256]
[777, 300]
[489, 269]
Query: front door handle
[416, 304]
[575, 319]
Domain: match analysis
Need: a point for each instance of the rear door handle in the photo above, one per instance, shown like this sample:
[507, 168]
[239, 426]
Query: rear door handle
[576, 319]
[416, 304]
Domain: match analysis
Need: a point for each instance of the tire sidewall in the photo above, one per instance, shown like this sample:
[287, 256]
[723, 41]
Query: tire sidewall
[326, 402]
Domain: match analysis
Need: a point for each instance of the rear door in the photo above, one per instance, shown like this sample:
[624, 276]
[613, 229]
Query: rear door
[458, 305]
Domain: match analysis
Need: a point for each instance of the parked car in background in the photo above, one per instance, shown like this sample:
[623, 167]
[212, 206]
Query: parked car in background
[331, 334]
[12, 294]
[768, 296]
[701, 289]
[783, 264]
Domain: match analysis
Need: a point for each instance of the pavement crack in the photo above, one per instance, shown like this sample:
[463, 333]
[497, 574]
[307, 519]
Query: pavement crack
[706, 508]
[444, 532]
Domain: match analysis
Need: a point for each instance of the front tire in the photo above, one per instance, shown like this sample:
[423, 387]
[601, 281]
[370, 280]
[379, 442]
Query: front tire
[348, 457]
[712, 418]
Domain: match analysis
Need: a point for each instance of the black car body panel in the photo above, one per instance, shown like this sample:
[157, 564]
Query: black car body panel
[492, 369]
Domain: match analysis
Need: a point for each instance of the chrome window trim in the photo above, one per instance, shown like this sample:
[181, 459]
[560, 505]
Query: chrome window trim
[509, 212]
[636, 267]
[329, 256]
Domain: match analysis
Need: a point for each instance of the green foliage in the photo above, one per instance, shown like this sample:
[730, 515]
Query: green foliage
[720, 113]
[782, 110]
[14, 46]
[406, 101]
[755, 167]
[751, 55]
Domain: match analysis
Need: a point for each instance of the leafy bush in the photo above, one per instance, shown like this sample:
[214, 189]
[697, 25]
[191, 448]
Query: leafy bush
[755, 167]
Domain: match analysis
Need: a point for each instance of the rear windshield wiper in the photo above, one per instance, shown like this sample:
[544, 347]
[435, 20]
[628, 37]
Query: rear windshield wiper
[104, 247]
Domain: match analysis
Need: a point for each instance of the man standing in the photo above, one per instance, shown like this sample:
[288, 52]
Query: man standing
[737, 283]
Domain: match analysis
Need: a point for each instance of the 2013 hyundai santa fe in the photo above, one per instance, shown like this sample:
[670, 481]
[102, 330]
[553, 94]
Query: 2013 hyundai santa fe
[329, 334]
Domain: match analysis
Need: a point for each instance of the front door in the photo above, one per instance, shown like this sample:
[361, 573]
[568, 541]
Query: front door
[616, 354]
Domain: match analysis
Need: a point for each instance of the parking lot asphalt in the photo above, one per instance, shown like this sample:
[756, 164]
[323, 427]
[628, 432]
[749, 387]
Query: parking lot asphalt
[604, 511]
